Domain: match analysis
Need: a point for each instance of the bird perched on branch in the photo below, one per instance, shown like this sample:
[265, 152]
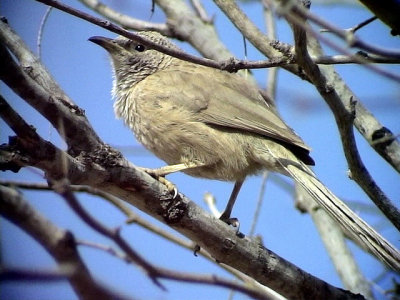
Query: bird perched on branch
[214, 124]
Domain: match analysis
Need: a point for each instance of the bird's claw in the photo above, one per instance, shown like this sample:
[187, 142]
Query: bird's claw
[196, 249]
[170, 186]
[234, 222]
[160, 177]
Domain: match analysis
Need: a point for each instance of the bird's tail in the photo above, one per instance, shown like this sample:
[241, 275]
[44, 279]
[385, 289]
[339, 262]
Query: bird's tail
[356, 229]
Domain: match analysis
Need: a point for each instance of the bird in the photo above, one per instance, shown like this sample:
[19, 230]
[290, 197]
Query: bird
[213, 124]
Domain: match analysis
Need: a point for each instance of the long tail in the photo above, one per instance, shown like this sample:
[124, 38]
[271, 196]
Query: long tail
[358, 230]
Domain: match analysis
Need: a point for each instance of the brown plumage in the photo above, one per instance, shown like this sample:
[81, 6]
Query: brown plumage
[214, 124]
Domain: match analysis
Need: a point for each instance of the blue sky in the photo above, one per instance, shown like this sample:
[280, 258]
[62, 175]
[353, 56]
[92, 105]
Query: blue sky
[82, 69]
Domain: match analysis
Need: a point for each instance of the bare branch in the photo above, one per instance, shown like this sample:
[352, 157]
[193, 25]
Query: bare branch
[259, 203]
[367, 125]
[361, 25]
[59, 243]
[64, 116]
[189, 27]
[335, 244]
[360, 58]
[154, 272]
[18, 274]
[29, 62]
[200, 11]
[40, 32]
[62, 187]
[344, 119]
[351, 39]
[125, 20]
[75, 188]
[251, 32]
[270, 25]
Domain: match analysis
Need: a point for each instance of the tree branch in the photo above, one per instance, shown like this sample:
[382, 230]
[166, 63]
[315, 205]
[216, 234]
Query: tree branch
[29, 62]
[59, 243]
[349, 37]
[67, 118]
[251, 32]
[344, 120]
[124, 20]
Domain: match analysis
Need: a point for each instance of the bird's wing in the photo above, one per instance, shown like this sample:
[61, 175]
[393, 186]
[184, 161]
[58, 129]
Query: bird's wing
[222, 99]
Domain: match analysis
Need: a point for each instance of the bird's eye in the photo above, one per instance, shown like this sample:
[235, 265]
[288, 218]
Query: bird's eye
[139, 48]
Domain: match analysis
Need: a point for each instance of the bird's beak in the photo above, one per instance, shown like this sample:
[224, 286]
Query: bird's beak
[106, 43]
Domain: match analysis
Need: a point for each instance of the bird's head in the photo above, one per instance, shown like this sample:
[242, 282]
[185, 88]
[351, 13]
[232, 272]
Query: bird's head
[133, 61]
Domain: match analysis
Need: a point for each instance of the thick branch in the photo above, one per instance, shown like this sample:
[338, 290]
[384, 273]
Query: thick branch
[67, 118]
[29, 62]
[34, 150]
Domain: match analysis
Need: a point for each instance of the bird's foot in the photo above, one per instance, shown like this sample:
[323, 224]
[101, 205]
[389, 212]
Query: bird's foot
[159, 175]
[196, 249]
[170, 186]
[234, 222]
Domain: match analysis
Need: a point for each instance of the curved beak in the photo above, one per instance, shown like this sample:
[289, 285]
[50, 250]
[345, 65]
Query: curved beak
[106, 43]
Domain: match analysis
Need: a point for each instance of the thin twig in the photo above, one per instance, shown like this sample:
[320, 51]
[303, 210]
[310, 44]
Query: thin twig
[200, 11]
[362, 24]
[19, 274]
[126, 21]
[40, 33]
[257, 211]
[354, 28]
[58, 242]
[271, 33]
[383, 53]
[62, 187]
[76, 188]
[154, 272]
[106, 248]
[351, 39]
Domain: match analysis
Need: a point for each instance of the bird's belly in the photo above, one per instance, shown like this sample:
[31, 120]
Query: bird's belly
[176, 137]
[220, 155]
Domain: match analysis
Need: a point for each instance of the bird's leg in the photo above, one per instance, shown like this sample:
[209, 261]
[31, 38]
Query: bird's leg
[160, 173]
[226, 215]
